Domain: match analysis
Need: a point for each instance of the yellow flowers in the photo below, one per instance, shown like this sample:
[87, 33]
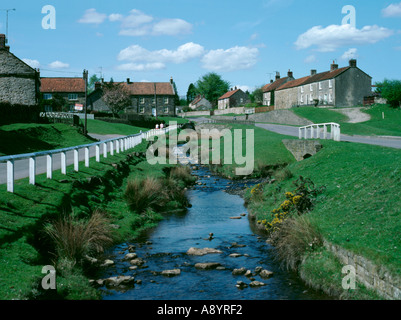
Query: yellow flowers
[257, 188]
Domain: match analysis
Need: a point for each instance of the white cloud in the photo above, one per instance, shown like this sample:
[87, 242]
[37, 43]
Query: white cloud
[135, 19]
[91, 16]
[182, 54]
[171, 27]
[58, 65]
[335, 36]
[32, 63]
[141, 66]
[116, 17]
[244, 88]
[350, 54]
[236, 58]
[393, 10]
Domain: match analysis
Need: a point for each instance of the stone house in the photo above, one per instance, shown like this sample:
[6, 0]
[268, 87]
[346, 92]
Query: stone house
[339, 87]
[148, 98]
[270, 89]
[200, 103]
[19, 83]
[232, 99]
[72, 90]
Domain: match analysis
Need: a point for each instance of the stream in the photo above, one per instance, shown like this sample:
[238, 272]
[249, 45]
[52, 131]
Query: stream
[165, 248]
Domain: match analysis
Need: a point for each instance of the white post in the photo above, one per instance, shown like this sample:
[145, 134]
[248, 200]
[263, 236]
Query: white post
[87, 157]
[105, 150]
[306, 132]
[63, 163]
[122, 145]
[300, 133]
[49, 166]
[118, 146]
[97, 153]
[325, 132]
[32, 170]
[126, 144]
[112, 148]
[76, 160]
[10, 176]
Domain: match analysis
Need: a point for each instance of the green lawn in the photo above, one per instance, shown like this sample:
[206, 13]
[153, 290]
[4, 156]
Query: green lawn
[103, 127]
[360, 208]
[389, 126]
[26, 138]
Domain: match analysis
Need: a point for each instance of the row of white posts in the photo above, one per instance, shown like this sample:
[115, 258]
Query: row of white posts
[321, 131]
[108, 146]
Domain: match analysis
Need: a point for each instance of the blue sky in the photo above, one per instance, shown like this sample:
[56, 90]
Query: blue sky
[245, 42]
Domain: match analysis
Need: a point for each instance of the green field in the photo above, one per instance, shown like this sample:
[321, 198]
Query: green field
[103, 127]
[389, 126]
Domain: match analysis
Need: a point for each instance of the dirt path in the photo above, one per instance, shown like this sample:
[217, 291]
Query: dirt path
[355, 115]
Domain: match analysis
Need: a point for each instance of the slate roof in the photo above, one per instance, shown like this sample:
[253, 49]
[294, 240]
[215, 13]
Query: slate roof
[62, 85]
[229, 94]
[148, 88]
[275, 85]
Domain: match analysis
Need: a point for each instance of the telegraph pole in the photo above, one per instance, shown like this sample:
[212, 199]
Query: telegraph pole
[7, 10]
[86, 102]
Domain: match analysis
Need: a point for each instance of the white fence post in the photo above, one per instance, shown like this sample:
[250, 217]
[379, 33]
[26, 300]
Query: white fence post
[10, 175]
[49, 158]
[111, 148]
[97, 153]
[105, 150]
[117, 146]
[76, 160]
[87, 157]
[32, 170]
[63, 163]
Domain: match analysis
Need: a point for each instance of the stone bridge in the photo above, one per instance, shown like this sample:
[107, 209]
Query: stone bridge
[302, 149]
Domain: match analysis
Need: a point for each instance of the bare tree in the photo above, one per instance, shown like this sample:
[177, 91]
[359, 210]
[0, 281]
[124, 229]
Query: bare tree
[116, 97]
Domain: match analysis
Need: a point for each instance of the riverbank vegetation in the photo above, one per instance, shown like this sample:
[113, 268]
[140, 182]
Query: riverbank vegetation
[358, 211]
[67, 222]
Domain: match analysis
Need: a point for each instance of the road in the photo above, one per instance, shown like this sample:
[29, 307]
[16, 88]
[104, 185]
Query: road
[21, 167]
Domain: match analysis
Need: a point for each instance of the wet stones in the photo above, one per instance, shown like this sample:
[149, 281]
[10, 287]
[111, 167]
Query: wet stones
[207, 265]
[202, 252]
[239, 272]
[171, 273]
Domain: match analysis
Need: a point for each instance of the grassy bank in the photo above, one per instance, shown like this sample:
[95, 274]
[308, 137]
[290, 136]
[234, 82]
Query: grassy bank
[27, 138]
[76, 197]
[358, 209]
[103, 127]
[377, 125]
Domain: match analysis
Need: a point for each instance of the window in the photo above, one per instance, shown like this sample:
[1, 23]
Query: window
[142, 110]
[311, 98]
[311, 87]
[241, 100]
[166, 110]
[48, 108]
[142, 100]
[320, 86]
[325, 99]
[302, 89]
[330, 97]
[153, 101]
[330, 83]
[302, 98]
[47, 96]
[73, 97]
[166, 101]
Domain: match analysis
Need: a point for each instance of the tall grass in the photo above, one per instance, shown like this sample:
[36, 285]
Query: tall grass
[73, 238]
[143, 194]
[295, 237]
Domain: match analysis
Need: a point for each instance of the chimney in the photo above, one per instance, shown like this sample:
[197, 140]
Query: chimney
[3, 43]
[277, 76]
[290, 74]
[271, 81]
[128, 80]
[352, 63]
[334, 66]
[171, 80]
[98, 85]
[313, 72]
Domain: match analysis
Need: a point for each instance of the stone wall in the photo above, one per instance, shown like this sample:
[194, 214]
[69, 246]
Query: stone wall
[19, 83]
[302, 149]
[373, 277]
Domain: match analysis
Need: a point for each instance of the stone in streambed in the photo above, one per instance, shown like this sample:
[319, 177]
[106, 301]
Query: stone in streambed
[207, 265]
[202, 252]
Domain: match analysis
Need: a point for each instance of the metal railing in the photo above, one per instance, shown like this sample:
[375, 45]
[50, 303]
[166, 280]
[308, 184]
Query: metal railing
[110, 146]
[321, 131]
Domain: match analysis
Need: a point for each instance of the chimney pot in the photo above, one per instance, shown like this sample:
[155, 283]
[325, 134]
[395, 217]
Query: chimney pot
[277, 76]
[290, 74]
[334, 66]
[128, 80]
[313, 72]
[353, 63]
[3, 42]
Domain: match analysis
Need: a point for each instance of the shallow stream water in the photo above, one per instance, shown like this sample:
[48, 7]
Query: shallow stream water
[165, 247]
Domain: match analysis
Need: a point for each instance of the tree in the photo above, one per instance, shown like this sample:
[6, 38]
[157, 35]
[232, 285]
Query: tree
[212, 86]
[391, 91]
[257, 96]
[91, 84]
[176, 96]
[116, 97]
[191, 93]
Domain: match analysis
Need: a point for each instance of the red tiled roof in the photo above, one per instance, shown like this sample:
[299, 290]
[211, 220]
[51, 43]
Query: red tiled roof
[62, 85]
[293, 83]
[149, 88]
[275, 85]
[229, 94]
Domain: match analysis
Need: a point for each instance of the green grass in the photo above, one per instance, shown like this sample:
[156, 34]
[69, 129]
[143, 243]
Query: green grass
[27, 138]
[389, 126]
[359, 210]
[103, 127]
[24, 214]
[179, 120]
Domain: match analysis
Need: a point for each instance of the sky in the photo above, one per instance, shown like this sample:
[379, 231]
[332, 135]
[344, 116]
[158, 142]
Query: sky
[246, 42]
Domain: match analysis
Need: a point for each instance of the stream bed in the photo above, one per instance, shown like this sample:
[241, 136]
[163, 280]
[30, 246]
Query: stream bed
[165, 248]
